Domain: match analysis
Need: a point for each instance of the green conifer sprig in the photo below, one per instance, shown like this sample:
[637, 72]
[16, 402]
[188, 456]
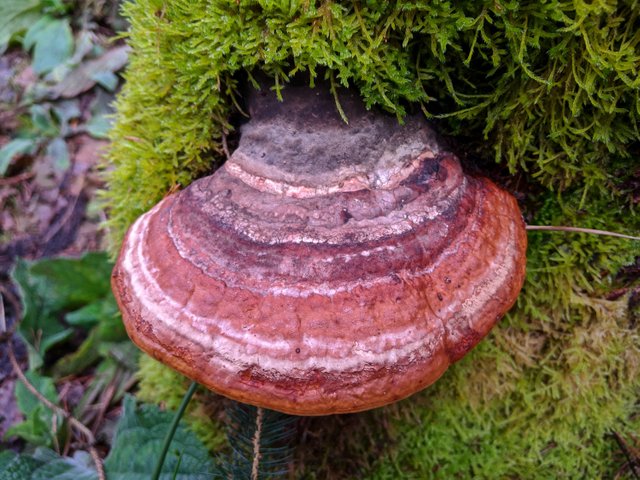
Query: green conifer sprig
[261, 442]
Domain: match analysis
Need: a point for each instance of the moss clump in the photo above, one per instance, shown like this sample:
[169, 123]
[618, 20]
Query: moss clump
[541, 395]
[549, 90]
[548, 87]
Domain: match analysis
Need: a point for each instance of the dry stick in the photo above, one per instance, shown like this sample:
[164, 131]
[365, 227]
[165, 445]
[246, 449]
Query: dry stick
[225, 146]
[16, 179]
[128, 385]
[3, 321]
[580, 230]
[7, 296]
[11, 298]
[56, 227]
[625, 449]
[75, 423]
[256, 444]
[105, 401]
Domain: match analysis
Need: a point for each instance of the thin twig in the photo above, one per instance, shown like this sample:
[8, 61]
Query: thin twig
[129, 384]
[592, 231]
[98, 462]
[105, 401]
[256, 444]
[225, 146]
[625, 450]
[56, 227]
[3, 320]
[10, 298]
[16, 179]
[75, 423]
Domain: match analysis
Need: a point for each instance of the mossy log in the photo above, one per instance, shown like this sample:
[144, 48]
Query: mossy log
[542, 96]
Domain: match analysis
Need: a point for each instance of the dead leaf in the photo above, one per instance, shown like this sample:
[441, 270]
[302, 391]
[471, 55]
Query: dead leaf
[84, 77]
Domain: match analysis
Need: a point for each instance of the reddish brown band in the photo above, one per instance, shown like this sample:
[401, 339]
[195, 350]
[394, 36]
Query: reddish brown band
[325, 302]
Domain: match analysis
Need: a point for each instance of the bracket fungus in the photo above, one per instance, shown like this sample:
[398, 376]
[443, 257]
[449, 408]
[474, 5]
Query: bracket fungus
[325, 267]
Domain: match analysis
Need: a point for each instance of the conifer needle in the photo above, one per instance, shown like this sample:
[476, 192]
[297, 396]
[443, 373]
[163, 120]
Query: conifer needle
[580, 230]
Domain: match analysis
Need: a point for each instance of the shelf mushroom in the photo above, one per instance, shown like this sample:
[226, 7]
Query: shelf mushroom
[325, 267]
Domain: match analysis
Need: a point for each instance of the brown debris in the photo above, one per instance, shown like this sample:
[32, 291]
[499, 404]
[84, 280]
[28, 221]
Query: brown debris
[44, 209]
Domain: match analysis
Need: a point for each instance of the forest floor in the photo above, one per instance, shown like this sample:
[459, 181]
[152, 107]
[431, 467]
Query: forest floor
[53, 125]
[55, 111]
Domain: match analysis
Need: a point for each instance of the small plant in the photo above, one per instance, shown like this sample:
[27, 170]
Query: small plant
[70, 323]
[75, 339]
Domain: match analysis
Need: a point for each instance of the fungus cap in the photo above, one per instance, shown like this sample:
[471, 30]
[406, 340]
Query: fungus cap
[325, 267]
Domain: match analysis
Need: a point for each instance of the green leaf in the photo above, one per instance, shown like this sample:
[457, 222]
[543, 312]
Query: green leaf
[101, 113]
[106, 79]
[6, 458]
[144, 428]
[17, 467]
[27, 402]
[58, 7]
[108, 338]
[52, 339]
[102, 310]
[15, 17]
[99, 126]
[13, 149]
[44, 464]
[51, 287]
[78, 467]
[85, 76]
[58, 154]
[85, 356]
[52, 42]
[66, 283]
[65, 111]
[35, 359]
[43, 121]
[110, 327]
[36, 427]
[34, 32]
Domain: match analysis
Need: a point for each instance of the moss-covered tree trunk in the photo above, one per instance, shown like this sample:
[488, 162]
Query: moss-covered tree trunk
[543, 96]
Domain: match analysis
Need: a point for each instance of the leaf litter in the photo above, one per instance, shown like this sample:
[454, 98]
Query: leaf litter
[55, 102]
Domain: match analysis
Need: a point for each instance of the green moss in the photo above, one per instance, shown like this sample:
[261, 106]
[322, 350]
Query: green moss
[549, 90]
[538, 398]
